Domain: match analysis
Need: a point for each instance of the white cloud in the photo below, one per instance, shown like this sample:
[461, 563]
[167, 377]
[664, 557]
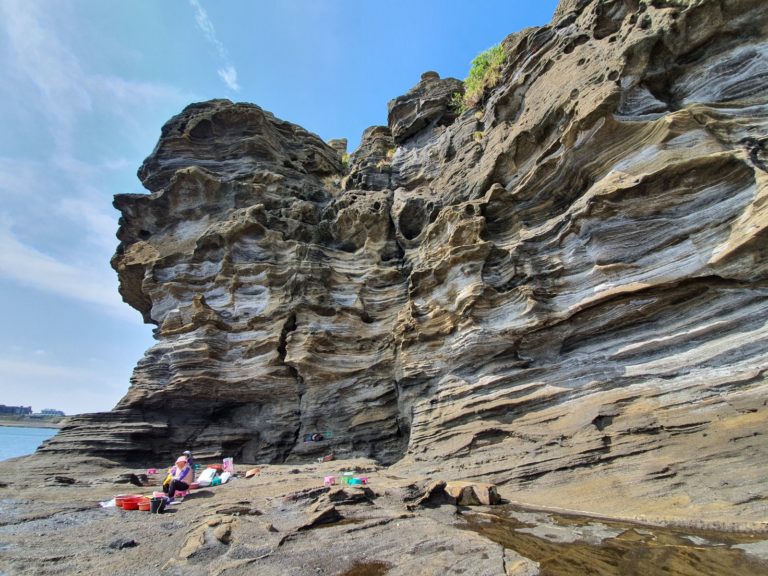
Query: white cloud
[228, 73]
[205, 24]
[99, 226]
[42, 59]
[27, 266]
[66, 91]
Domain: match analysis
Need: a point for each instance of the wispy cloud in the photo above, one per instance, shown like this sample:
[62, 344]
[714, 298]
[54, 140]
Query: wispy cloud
[75, 130]
[51, 67]
[206, 26]
[63, 89]
[228, 73]
[25, 265]
[20, 178]
[98, 224]
[60, 194]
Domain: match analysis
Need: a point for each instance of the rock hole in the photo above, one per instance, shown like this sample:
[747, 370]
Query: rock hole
[602, 422]
[203, 130]
[365, 317]
[412, 218]
[578, 41]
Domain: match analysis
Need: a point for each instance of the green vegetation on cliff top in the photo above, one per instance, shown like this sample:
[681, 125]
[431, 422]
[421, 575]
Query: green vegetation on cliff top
[484, 72]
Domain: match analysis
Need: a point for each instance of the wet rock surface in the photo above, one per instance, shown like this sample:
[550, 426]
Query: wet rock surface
[562, 292]
[264, 525]
[539, 542]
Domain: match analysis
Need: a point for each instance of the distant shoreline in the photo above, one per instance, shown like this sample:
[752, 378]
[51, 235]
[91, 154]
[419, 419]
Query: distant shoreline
[31, 423]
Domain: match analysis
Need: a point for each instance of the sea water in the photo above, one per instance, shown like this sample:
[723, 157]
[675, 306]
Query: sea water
[16, 441]
[576, 545]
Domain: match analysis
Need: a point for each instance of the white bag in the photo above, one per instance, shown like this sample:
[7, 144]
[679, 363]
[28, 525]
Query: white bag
[206, 477]
[225, 476]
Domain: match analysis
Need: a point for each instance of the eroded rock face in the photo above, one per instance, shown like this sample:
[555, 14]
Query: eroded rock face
[261, 275]
[426, 104]
[564, 290]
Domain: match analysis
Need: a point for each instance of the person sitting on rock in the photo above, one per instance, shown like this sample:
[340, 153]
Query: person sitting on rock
[191, 462]
[180, 477]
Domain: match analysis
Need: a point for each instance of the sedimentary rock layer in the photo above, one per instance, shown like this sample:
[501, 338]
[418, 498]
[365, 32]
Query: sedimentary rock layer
[565, 283]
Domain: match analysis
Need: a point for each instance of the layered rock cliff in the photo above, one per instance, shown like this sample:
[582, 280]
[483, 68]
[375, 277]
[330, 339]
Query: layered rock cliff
[563, 289]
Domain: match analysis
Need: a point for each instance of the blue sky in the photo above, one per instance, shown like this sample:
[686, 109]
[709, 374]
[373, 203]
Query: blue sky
[85, 86]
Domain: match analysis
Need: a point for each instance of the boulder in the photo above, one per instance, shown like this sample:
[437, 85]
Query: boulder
[472, 493]
[427, 104]
[326, 515]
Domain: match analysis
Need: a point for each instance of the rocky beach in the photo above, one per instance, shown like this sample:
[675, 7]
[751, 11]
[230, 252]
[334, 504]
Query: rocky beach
[284, 521]
[554, 281]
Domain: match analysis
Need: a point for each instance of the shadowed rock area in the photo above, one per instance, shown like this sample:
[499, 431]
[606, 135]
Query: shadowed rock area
[562, 291]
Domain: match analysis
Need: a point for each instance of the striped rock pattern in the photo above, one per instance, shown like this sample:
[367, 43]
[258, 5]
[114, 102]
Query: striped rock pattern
[563, 291]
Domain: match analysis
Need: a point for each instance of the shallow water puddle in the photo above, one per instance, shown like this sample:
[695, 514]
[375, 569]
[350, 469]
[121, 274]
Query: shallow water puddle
[575, 546]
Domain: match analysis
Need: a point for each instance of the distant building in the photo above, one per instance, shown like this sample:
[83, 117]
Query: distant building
[51, 412]
[15, 410]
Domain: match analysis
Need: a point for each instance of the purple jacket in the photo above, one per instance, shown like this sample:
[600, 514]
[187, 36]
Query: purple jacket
[184, 474]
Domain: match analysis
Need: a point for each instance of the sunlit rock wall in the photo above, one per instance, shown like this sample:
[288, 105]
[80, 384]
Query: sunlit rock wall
[563, 290]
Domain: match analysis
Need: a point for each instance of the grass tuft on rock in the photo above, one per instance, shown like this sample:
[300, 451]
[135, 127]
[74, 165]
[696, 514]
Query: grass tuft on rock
[485, 72]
